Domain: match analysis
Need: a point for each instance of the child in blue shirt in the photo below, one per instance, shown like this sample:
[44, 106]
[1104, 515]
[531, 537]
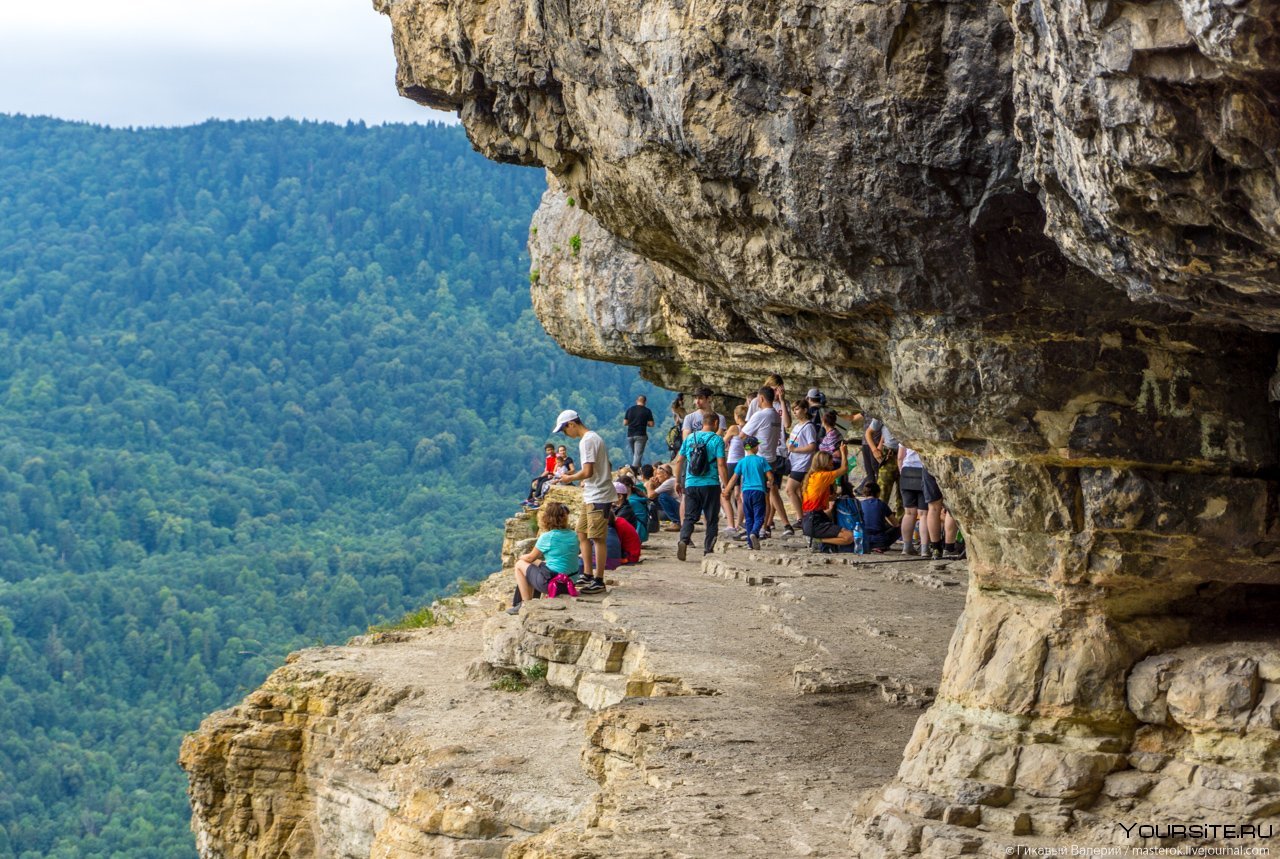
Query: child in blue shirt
[757, 478]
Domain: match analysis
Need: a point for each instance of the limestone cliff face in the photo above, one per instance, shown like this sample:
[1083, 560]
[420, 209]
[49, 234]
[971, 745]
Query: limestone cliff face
[945, 212]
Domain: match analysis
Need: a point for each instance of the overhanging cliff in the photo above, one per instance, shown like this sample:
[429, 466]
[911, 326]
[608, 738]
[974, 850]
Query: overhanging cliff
[1040, 239]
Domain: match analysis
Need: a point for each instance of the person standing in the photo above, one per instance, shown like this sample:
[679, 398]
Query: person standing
[802, 444]
[700, 473]
[598, 496]
[881, 451]
[765, 423]
[702, 405]
[637, 420]
[757, 479]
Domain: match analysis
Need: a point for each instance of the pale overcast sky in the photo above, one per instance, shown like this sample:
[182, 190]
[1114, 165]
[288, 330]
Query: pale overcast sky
[176, 62]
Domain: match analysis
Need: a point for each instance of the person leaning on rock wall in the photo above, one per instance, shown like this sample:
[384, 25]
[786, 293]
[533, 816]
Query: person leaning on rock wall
[598, 496]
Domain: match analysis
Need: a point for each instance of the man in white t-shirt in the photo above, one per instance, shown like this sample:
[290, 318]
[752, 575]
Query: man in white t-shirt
[765, 423]
[598, 495]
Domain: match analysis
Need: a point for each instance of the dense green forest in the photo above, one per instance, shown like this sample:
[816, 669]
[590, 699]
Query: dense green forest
[263, 384]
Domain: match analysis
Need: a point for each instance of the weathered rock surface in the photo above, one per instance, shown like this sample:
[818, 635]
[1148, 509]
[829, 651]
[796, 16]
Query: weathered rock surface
[667, 723]
[944, 212]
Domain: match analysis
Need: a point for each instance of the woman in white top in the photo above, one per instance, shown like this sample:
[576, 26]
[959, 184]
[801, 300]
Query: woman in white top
[802, 444]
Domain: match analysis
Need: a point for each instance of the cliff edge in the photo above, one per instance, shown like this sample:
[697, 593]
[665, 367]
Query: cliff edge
[740, 707]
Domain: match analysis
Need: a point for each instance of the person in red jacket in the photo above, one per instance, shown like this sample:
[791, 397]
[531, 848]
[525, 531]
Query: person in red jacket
[629, 539]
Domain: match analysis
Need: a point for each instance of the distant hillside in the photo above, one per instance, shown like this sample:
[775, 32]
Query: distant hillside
[262, 384]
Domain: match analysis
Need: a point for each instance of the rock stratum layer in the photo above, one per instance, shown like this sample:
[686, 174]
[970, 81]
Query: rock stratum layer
[1042, 240]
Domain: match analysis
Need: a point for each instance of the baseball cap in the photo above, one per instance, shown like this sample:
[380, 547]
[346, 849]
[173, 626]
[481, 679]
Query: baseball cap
[813, 394]
[620, 488]
[565, 417]
[750, 441]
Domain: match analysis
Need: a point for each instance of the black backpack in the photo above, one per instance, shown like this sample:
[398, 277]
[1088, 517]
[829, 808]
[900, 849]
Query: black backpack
[654, 522]
[699, 459]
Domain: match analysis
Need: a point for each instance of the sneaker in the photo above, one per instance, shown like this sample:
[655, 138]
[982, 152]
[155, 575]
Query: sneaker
[817, 547]
[908, 549]
[788, 531]
[591, 586]
[741, 535]
[682, 550]
[751, 541]
[767, 533]
[953, 553]
[935, 553]
[515, 609]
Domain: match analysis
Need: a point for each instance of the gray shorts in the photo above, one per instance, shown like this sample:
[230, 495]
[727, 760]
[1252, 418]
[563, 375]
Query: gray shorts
[538, 577]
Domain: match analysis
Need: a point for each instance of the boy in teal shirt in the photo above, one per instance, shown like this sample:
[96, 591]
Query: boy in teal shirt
[757, 479]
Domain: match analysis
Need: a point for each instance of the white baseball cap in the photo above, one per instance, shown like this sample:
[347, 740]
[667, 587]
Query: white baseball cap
[565, 417]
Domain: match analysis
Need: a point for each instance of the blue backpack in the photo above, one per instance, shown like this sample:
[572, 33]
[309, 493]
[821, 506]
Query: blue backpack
[848, 515]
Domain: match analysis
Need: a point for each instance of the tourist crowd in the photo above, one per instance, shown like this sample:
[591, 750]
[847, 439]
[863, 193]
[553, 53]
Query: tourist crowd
[851, 487]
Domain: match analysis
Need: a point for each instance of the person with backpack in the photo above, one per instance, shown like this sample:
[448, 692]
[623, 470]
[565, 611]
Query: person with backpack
[818, 504]
[757, 479]
[700, 473]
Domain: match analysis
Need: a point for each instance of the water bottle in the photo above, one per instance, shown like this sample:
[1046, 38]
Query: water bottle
[859, 542]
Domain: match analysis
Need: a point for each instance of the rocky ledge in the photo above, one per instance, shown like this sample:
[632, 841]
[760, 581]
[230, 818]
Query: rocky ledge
[742, 706]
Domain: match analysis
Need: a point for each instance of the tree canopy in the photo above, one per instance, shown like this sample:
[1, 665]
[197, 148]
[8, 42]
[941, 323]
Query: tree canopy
[263, 384]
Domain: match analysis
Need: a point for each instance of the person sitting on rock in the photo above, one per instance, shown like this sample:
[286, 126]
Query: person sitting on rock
[818, 504]
[880, 527]
[554, 553]
[633, 506]
[662, 488]
[628, 541]
[539, 484]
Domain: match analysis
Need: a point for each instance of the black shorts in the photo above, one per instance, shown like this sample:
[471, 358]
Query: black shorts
[798, 476]
[781, 467]
[818, 525]
[932, 492]
[913, 499]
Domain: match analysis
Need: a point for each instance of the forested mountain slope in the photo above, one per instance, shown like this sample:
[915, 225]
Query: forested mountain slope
[261, 385]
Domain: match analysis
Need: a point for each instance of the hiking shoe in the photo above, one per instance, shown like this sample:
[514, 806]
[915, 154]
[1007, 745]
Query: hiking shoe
[788, 531]
[515, 609]
[935, 553]
[817, 547]
[682, 550]
[955, 553]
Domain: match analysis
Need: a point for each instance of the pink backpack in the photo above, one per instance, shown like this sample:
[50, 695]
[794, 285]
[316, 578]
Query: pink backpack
[560, 580]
